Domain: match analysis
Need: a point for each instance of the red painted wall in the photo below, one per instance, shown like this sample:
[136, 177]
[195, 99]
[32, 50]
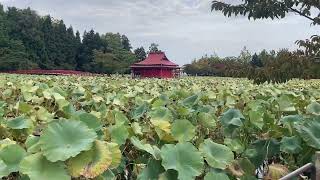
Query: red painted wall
[155, 73]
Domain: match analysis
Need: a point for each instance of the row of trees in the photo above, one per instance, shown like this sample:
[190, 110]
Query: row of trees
[30, 41]
[265, 66]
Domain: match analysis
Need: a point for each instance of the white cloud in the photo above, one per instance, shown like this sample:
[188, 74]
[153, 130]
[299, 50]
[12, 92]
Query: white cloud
[185, 29]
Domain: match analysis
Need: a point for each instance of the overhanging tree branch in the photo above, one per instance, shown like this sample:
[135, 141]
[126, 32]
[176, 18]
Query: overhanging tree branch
[301, 14]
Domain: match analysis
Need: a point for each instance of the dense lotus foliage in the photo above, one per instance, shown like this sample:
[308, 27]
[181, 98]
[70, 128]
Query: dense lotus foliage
[69, 127]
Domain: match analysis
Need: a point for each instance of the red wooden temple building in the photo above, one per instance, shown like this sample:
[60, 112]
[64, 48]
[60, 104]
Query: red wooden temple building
[156, 65]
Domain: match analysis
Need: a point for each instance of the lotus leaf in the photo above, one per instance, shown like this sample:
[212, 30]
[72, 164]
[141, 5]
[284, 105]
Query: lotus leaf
[10, 158]
[161, 114]
[90, 120]
[184, 158]
[216, 176]
[309, 132]
[291, 145]
[66, 138]
[191, 101]
[119, 133]
[231, 120]
[37, 167]
[153, 150]
[115, 154]
[19, 123]
[32, 144]
[314, 108]
[92, 163]
[183, 130]
[286, 104]
[207, 120]
[217, 155]
[151, 171]
[139, 111]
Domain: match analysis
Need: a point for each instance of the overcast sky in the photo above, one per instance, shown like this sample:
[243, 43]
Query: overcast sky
[184, 29]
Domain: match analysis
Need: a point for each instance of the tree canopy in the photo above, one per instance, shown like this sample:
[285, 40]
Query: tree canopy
[264, 9]
[31, 41]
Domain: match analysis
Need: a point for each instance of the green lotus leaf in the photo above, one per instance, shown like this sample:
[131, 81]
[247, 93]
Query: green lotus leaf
[43, 114]
[19, 123]
[184, 158]
[90, 120]
[119, 133]
[183, 130]
[120, 118]
[151, 171]
[136, 128]
[62, 103]
[207, 120]
[248, 177]
[314, 108]
[161, 114]
[7, 93]
[191, 101]
[32, 144]
[256, 118]
[161, 102]
[24, 107]
[92, 163]
[37, 167]
[235, 145]
[291, 119]
[309, 132]
[217, 155]
[262, 149]
[6, 142]
[107, 175]
[231, 120]
[139, 111]
[290, 145]
[169, 175]
[240, 167]
[10, 158]
[115, 154]
[153, 150]
[66, 138]
[216, 176]
[163, 129]
[286, 104]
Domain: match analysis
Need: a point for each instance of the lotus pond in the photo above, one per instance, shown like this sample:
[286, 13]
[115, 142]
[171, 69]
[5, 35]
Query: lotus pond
[69, 127]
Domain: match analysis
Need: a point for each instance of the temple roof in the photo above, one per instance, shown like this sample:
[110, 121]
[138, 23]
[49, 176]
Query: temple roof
[156, 59]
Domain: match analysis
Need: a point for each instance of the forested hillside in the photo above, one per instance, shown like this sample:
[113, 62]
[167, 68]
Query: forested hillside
[31, 41]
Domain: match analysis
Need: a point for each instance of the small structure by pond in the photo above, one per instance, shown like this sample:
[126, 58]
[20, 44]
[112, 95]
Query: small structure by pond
[156, 65]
